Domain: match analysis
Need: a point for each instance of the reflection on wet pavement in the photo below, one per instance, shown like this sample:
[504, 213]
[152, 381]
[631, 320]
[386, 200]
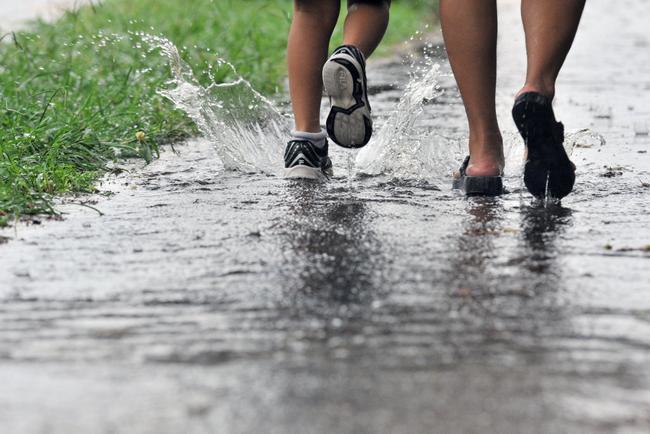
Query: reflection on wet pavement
[211, 301]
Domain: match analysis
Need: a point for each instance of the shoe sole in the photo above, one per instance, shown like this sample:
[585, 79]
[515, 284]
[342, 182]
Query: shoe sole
[548, 170]
[349, 123]
[480, 185]
[307, 172]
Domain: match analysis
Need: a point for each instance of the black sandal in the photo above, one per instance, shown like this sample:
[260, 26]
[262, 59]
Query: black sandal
[477, 185]
[548, 170]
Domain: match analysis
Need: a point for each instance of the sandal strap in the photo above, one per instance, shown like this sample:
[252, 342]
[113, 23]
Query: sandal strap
[463, 167]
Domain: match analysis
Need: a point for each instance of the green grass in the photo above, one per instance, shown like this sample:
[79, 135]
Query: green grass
[72, 100]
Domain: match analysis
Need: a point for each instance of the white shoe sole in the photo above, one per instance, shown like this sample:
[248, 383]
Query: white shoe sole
[305, 172]
[345, 129]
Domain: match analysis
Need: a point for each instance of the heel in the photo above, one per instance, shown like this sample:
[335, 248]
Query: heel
[338, 81]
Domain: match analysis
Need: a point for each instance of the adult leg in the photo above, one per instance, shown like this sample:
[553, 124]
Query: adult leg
[311, 30]
[470, 32]
[550, 27]
[366, 24]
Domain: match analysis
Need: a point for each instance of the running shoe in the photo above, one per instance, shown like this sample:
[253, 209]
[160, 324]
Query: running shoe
[344, 75]
[304, 160]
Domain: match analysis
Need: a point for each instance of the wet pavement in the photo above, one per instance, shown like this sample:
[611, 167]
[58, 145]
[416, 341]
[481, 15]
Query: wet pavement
[15, 13]
[212, 301]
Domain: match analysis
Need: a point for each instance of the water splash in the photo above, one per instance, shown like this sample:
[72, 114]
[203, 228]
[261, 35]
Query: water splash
[246, 128]
[351, 155]
[584, 138]
[397, 151]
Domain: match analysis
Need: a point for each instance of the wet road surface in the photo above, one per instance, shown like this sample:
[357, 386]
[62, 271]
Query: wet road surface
[211, 301]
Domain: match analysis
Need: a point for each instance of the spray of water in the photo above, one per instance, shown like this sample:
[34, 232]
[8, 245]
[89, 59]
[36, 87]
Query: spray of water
[247, 130]
[397, 150]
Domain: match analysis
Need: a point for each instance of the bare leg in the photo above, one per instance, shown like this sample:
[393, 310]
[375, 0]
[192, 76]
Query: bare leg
[470, 31]
[311, 29]
[366, 25]
[550, 27]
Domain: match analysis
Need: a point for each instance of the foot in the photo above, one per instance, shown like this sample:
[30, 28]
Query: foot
[344, 76]
[486, 166]
[547, 90]
[548, 170]
[487, 184]
[304, 160]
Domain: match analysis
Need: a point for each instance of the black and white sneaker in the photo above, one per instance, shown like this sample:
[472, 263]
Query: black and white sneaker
[303, 159]
[344, 75]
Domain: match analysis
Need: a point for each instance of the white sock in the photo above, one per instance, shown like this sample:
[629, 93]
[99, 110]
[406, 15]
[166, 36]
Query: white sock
[317, 139]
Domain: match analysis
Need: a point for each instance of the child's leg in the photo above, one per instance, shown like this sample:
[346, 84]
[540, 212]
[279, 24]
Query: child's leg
[550, 26]
[349, 123]
[470, 31]
[366, 24]
[311, 29]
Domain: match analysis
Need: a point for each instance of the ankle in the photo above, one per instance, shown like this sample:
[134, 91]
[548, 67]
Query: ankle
[311, 127]
[486, 156]
[486, 141]
[318, 139]
[491, 163]
[545, 88]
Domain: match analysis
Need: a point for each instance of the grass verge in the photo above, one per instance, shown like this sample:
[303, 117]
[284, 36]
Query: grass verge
[74, 97]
